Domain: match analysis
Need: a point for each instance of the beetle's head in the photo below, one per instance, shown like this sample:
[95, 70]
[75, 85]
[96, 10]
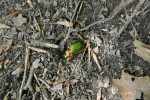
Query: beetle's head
[68, 54]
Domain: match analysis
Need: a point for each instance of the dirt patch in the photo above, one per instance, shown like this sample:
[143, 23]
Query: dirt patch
[35, 35]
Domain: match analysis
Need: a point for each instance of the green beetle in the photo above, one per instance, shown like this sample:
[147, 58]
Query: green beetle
[74, 48]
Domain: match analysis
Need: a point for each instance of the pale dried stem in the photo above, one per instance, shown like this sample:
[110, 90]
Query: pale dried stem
[28, 84]
[25, 72]
[43, 44]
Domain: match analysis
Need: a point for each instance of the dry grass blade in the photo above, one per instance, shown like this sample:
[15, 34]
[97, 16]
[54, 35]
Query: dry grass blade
[89, 51]
[89, 54]
[68, 88]
[96, 60]
[12, 14]
[37, 26]
[142, 50]
[44, 72]
[36, 78]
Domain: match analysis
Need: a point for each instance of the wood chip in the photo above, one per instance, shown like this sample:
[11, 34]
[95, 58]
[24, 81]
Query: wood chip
[65, 23]
[7, 61]
[3, 26]
[142, 50]
[19, 21]
[73, 81]
[99, 94]
[30, 3]
[6, 46]
[36, 63]
[60, 80]
[19, 70]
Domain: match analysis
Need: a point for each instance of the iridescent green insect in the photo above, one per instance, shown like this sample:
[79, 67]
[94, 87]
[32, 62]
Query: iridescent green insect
[74, 48]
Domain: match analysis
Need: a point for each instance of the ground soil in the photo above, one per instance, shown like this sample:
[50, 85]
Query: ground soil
[114, 54]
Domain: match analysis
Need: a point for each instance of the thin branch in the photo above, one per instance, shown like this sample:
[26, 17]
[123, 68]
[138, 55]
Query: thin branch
[75, 11]
[69, 29]
[97, 22]
[25, 72]
[5, 98]
[43, 44]
[129, 19]
[28, 84]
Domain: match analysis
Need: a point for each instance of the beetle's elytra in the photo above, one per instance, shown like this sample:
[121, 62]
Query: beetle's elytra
[74, 48]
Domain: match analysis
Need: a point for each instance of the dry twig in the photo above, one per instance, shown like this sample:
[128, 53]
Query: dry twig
[70, 29]
[129, 19]
[43, 44]
[25, 72]
[40, 50]
[28, 84]
[6, 97]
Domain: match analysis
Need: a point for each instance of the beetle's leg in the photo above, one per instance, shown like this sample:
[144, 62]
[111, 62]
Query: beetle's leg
[68, 61]
[80, 37]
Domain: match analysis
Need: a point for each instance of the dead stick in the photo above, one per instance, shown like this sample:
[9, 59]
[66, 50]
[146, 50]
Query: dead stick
[69, 29]
[25, 71]
[28, 84]
[98, 22]
[43, 44]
